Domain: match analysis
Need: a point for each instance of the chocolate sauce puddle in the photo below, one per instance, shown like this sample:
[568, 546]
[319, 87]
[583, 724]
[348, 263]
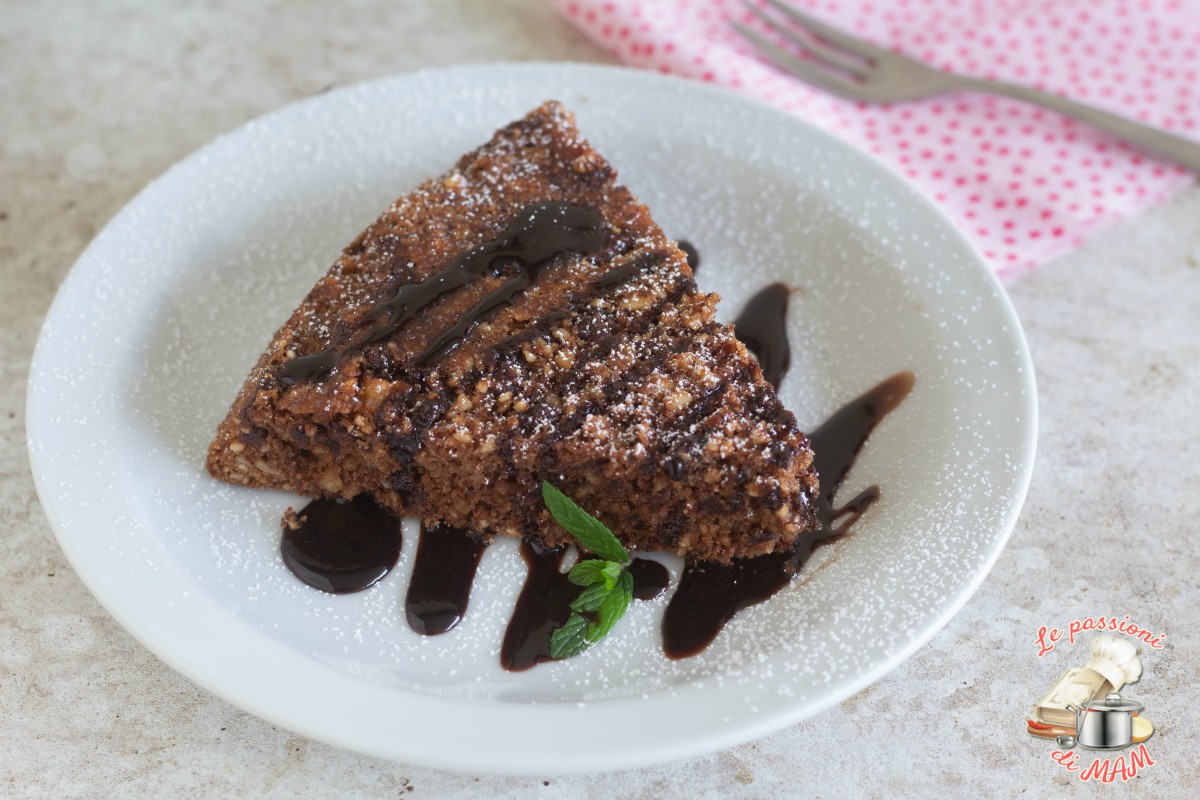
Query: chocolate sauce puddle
[545, 603]
[650, 578]
[443, 571]
[709, 595]
[538, 234]
[762, 327]
[342, 546]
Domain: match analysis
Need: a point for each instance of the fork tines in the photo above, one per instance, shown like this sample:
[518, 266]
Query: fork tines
[834, 61]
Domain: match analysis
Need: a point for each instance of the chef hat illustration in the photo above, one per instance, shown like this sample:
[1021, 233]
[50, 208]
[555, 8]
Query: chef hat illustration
[1116, 659]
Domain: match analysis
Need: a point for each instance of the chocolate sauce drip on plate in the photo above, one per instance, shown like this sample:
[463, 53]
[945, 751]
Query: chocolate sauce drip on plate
[347, 546]
[545, 603]
[531, 241]
[443, 572]
[650, 578]
[693, 255]
[762, 327]
[342, 546]
[709, 595]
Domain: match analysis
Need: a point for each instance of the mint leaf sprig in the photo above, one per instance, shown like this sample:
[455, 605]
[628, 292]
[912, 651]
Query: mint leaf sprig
[607, 582]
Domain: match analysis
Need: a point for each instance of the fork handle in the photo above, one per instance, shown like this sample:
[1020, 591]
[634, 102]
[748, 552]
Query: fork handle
[1160, 143]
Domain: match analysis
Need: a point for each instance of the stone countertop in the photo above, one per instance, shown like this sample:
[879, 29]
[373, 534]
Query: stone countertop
[98, 99]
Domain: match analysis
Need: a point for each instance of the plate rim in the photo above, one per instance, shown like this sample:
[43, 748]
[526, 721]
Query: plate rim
[620, 757]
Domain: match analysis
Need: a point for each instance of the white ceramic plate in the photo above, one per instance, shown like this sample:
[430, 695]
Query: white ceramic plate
[156, 326]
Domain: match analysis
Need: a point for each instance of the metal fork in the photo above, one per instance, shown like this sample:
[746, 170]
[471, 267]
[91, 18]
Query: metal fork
[849, 67]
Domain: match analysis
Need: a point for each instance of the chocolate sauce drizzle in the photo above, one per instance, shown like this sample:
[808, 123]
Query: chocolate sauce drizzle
[530, 243]
[709, 595]
[543, 606]
[342, 546]
[440, 586]
[545, 603]
[762, 327]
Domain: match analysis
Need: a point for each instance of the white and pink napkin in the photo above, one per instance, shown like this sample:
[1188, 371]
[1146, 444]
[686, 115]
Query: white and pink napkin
[1024, 184]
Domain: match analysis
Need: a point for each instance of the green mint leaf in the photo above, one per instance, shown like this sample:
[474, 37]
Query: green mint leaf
[608, 584]
[611, 571]
[569, 639]
[587, 530]
[591, 598]
[589, 571]
[612, 608]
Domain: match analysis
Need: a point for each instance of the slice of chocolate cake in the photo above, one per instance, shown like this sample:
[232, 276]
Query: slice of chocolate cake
[522, 317]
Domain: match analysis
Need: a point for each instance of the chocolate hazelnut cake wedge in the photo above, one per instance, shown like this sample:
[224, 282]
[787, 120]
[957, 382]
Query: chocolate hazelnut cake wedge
[523, 318]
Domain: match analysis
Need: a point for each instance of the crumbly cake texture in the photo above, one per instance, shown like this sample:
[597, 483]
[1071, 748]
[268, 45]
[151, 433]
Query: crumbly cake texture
[625, 393]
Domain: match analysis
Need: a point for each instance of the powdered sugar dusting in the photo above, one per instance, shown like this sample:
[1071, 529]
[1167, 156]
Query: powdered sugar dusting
[155, 329]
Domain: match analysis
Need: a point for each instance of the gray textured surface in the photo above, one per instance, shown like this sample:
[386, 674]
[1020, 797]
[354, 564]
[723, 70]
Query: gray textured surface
[96, 102]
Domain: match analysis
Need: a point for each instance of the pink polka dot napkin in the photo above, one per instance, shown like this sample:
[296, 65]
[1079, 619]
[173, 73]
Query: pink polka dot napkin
[1025, 184]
